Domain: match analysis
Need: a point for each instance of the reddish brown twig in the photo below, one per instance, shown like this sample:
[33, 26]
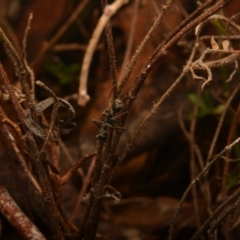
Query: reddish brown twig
[17, 218]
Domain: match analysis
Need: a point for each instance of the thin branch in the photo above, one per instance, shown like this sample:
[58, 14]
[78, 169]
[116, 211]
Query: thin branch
[206, 168]
[24, 53]
[86, 182]
[130, 38]
[220, 123]
[131, 64]
[111, 49]
[17, 218]
[75, 167]
[47, 45]
[108, 12]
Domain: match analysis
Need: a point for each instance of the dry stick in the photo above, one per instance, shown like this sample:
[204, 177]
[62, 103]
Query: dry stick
[219, 63]
[140, 48]
[194, 150]
[230, 159]
[7, 125]
[154, 109]
[223, 61]
[108, 12]
[198, 64]
[206, 168]
[86, 182]
[221, 217]
[105, 171]
[17, 218]
[48, 198]
[201, 65]
[26, 168]
[173, 37]
[33, 150]
[156, 56]
[213, 143]
[5, 137]
[196, 147]
[187, 24]
[70, 47]
[68, 156]
[167, 42]
[226, 169]
[24, 53]
[75, 167]
[111, 50]
[13, 98]
[192, 157]
[95, 176]
[217, 211]
[140, 79]
[11, 33]
[211, 150]
[130, 37]
[90, 216]
[155, 6]
[149, 115]
[20, 72]
[53, 116]
[226, 163]
[47, 45]
[146, 70]
[99, 181]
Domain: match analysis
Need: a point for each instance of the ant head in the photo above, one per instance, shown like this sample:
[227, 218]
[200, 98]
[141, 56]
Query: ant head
[117, 105]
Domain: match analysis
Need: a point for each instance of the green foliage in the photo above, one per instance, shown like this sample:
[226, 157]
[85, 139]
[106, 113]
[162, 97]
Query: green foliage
[65, 73]
[205, 105]
[232, 180]
[219, 27]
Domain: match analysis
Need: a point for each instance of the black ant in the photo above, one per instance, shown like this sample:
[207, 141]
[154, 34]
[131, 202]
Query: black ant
[109, 119]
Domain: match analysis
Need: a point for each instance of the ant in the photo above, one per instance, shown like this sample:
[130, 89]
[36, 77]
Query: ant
[109, 119]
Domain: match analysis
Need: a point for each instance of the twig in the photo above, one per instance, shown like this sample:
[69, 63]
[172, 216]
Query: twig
[24, 53]
[206, 168]
[17, 218]
[111, 49]
[131, 64]
[226, 163]
[220, 123]
[154, 109]
[108, 12]
[216, 212]
[86, 182]
[75, 167]
[59, 33]
[221, 217]
[70, 47]
[130, 37]
[69, 157]
[189, 23]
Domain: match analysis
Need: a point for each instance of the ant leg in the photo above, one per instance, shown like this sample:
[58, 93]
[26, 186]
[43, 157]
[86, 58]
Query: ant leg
[98, 123]
[102, 124]
[118, 116]
[102, 136]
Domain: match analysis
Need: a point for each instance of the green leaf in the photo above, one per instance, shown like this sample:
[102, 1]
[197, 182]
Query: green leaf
[65, 73]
